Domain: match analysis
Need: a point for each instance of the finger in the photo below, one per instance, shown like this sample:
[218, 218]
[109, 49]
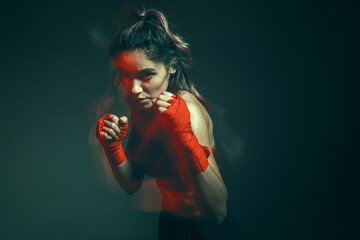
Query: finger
[161, 103]
[112, 125]
[106, 136]
[110, 132]
[165, 97]
[123, 120]
[167, 93]
[113, 118]
[162, 109]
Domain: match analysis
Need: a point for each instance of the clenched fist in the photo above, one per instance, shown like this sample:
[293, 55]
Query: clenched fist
[110, 127]
[110, 131]
[174, 113]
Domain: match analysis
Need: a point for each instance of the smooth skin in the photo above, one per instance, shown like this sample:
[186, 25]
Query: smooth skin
[146, 82]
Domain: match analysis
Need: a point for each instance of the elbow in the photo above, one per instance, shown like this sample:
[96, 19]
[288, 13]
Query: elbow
[220, 216]
[216, 215]
[130, 189]
[215, 212]
[222, 211]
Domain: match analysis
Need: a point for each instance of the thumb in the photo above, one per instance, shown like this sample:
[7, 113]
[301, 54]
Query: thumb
[123, 120]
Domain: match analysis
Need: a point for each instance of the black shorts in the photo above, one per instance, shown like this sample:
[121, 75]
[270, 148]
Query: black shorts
[173, 227]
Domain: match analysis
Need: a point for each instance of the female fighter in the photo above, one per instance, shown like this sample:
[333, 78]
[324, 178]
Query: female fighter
[171, 133]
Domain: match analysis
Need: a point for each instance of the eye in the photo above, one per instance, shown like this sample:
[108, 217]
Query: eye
[146, 76]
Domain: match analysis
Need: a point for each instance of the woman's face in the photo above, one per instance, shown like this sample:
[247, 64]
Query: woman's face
[143, 79]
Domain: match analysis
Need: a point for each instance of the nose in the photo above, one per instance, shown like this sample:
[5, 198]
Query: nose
[136, 87]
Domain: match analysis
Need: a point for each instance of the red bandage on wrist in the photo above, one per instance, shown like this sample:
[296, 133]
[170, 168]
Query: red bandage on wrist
[177, 116]
[113, 149]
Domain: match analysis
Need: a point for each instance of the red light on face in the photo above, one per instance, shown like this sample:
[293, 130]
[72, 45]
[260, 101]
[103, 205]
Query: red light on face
[142, 78]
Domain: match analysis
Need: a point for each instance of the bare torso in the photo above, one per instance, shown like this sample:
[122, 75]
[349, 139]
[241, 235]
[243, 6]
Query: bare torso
[150, 149]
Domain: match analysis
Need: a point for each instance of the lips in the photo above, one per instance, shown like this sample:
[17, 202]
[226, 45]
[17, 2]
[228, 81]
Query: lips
[141, 100]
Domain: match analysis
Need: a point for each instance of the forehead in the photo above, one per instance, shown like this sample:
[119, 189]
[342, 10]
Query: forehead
[133, 61]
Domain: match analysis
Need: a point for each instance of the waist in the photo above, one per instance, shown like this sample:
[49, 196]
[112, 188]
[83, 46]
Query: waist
[179, 220]
[180, 203]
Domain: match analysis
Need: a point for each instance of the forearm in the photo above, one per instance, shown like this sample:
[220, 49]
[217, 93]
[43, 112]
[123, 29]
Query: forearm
[210, 194]
[110, 131]
[127, 176]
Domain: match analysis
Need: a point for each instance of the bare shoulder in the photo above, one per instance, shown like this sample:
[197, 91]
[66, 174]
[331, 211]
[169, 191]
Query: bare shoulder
[194, 106]
[188, 97]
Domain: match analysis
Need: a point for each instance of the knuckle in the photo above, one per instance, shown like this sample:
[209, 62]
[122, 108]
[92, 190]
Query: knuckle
[113, 118]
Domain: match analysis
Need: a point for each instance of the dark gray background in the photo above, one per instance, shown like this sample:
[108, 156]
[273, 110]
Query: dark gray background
[282, 79]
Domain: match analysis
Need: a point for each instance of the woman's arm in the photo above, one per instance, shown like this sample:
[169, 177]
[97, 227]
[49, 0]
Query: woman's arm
[128, 177]
[110, 132]
[210, 193]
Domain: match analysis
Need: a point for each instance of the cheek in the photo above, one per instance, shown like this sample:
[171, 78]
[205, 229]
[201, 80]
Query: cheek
[162, 84]
[155, 88]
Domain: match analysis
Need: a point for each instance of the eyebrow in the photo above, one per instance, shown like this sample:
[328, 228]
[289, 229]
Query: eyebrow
[148, 70]
[142, 70]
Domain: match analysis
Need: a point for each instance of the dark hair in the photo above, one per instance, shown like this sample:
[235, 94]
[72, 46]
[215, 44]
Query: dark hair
[148, 30]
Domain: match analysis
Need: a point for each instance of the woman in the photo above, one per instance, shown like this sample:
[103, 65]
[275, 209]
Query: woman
[171, 136]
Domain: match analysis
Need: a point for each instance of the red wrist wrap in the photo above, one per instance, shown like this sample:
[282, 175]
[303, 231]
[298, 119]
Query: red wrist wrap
[113, 149]
[178, 119]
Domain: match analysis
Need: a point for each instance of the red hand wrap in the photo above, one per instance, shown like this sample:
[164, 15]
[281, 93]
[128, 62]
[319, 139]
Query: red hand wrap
[177, 117]
[113, 149]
